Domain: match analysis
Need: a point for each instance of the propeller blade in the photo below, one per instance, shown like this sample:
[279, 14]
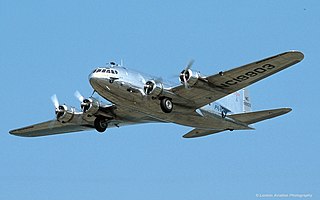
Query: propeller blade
[78, 96]
[55, 101]
[185, 82]
[189, 65]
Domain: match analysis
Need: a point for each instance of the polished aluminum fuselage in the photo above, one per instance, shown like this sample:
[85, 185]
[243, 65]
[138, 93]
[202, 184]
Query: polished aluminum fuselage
[125, 89]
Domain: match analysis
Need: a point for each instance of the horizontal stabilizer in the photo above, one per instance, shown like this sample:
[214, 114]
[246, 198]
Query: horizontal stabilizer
[200, 132]
[253, 117]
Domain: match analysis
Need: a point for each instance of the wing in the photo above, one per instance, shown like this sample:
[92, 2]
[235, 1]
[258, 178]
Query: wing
[49, 128]
[83, 122]
[212, 88]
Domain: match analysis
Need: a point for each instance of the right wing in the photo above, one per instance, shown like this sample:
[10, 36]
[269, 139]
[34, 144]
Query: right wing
[50, 128]
[83, 122]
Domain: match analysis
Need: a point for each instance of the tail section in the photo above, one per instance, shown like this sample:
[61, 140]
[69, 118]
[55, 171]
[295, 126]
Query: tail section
[246, 101]
[238, 102]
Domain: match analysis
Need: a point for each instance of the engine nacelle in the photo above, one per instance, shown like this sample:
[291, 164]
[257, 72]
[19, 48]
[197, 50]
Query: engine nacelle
[153, 88]
[64, 113]
[90, 106]
[189, 77]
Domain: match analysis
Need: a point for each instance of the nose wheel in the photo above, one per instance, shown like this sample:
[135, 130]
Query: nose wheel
[100, 124]
[166, 105]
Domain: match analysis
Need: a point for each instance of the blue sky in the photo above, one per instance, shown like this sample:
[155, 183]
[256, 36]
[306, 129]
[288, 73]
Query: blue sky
[50, 47]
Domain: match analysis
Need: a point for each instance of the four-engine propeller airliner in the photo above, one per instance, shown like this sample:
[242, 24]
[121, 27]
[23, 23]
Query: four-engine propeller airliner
[208, 104]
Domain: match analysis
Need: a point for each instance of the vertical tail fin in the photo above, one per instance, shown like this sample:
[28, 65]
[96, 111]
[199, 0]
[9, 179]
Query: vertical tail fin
[237, 102]
[246, 101]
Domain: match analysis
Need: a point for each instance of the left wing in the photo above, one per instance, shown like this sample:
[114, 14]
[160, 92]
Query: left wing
[212, 88]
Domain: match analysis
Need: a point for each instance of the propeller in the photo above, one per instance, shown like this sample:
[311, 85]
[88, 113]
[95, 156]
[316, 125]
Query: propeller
[189, 64]
[78, 96]
[148, 87]
[184, 76]
[59, 109]
[55, 101]
[85, 103]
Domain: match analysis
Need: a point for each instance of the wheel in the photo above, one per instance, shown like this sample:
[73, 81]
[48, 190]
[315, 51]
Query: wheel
[100, 124]
[223, 114]
[166, 105]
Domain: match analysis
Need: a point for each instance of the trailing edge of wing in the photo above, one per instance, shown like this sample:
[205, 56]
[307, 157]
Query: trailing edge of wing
[253, 117]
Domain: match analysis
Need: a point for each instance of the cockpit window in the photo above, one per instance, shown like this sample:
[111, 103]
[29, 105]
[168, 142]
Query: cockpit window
[109, 71]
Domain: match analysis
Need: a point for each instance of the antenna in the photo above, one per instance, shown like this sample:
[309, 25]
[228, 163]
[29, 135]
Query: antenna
[121, 63]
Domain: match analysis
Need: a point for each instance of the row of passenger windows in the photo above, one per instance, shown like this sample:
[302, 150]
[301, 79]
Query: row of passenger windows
[106, 71]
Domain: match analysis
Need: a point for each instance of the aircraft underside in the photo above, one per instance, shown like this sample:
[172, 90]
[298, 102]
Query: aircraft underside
[137, 98]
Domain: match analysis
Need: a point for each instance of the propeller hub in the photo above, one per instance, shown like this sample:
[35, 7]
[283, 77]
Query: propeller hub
[85, 105]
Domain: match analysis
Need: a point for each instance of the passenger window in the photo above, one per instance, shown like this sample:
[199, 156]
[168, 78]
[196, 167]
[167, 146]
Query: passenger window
[99, 70]
[103, 71]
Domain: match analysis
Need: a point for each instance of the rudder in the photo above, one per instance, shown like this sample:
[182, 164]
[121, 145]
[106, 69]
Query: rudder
[246, 101]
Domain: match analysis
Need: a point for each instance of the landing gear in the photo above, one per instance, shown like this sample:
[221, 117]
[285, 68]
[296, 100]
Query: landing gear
[100, 124]
[223, 114]
[166, 105]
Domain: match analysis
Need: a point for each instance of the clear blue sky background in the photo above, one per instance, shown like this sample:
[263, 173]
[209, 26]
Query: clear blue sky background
[50, 47]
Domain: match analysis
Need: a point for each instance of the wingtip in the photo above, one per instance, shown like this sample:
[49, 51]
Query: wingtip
[13, 132]
[188, 136]
[287, 110]
[283, 111]
[17, 132]
[298, 54]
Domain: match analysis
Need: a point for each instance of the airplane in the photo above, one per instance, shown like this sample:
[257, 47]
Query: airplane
[207, 104]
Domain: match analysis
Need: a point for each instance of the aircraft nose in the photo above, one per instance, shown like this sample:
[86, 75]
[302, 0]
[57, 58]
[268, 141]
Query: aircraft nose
[90, 76]
[97, 80]
[93, 76]
[93, 79]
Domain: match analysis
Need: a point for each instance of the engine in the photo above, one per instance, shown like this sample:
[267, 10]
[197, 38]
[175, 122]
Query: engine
[64, 113]
[90, 106]
[153, 88]
[189, 77]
